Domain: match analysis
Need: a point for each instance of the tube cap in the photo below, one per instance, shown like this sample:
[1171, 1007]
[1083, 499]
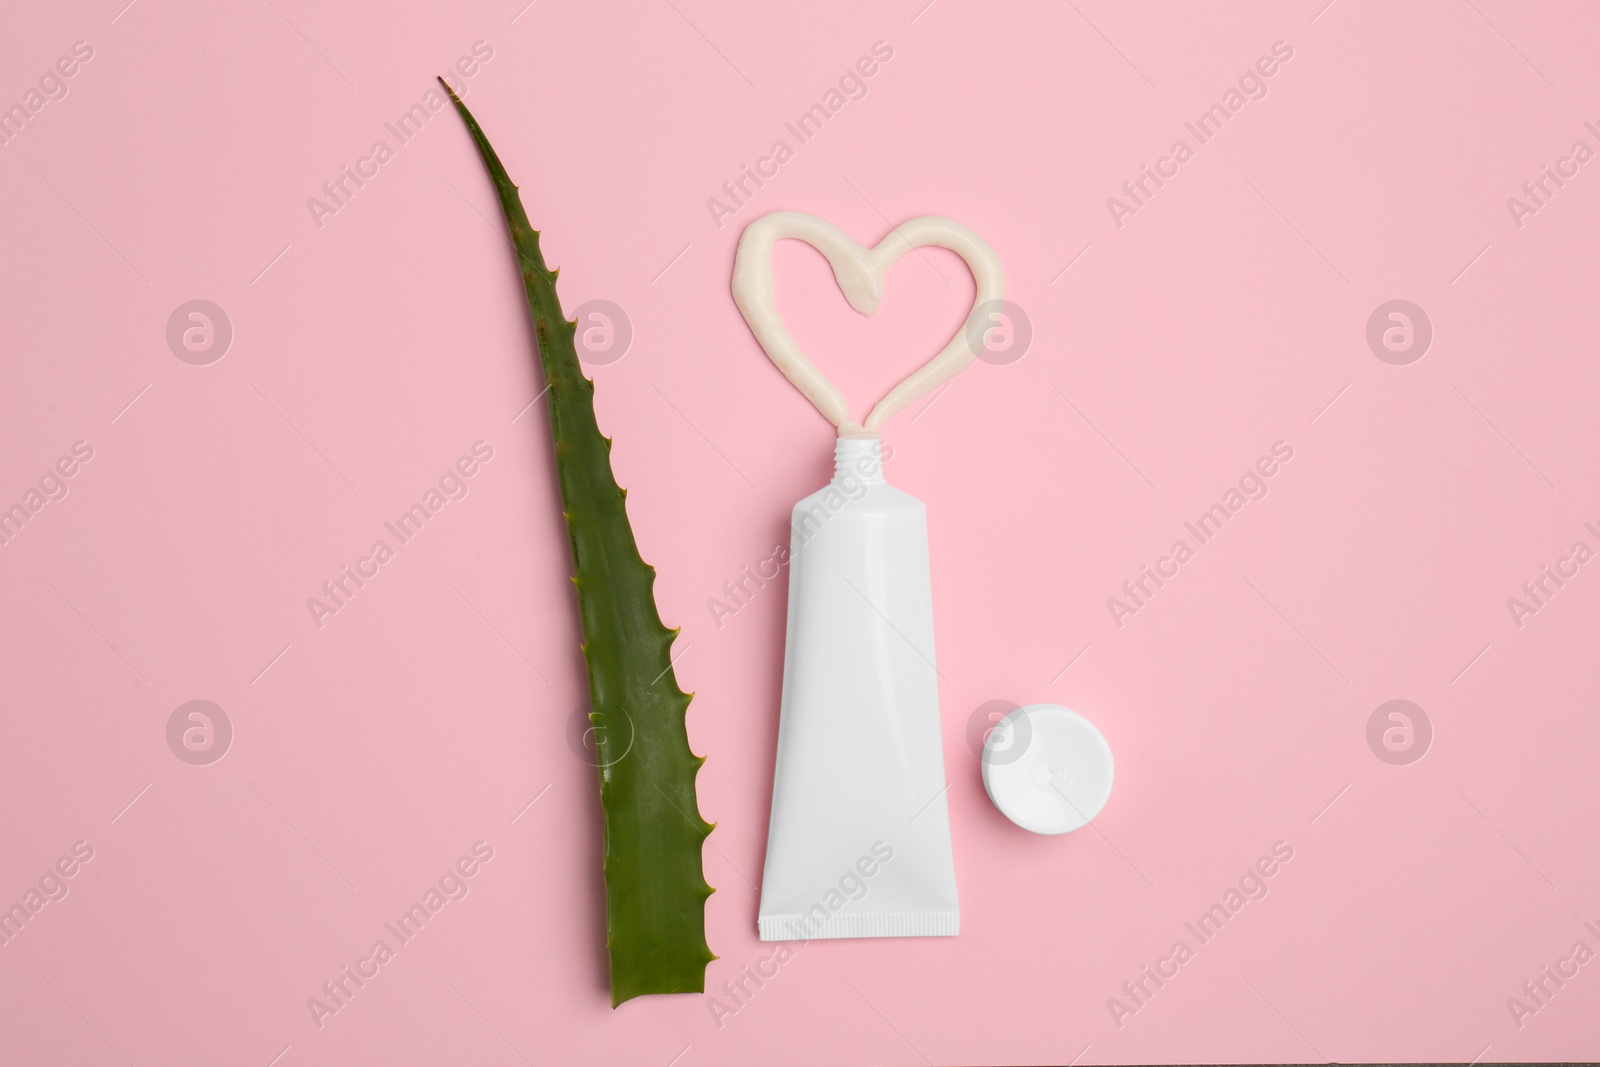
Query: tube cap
[1047, 769]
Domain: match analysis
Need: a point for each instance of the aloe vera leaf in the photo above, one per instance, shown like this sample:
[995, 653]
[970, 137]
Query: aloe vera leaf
[655, 883]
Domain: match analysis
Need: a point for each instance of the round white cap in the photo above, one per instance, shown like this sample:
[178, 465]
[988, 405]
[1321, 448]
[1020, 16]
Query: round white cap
[1047, 769]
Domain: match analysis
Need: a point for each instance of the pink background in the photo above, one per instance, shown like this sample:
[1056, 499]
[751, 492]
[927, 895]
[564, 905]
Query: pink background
[368, 354]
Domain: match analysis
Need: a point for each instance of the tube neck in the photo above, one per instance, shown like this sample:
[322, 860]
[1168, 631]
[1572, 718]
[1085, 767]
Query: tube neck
[861, 457]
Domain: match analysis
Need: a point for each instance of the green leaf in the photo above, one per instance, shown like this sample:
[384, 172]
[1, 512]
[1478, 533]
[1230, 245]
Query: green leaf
[655, 883]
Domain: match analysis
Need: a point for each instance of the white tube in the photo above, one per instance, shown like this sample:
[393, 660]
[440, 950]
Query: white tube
[859, 843]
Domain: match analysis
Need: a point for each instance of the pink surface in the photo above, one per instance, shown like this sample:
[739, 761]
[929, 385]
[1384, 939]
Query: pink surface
[373, 347]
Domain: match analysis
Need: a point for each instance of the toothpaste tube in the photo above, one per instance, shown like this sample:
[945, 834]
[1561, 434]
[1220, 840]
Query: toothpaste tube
[860, 772]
